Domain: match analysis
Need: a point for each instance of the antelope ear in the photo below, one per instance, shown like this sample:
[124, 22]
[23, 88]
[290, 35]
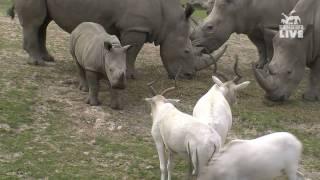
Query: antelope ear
[173, 101]
[217, 80]
[126, 48]
[242, 85]
[149, 100]
[108, 45]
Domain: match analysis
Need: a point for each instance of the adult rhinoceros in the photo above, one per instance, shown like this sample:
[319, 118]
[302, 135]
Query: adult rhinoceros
[292, 55]
[249, 17]
[135, 22]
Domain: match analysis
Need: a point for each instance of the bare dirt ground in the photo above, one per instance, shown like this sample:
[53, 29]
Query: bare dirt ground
[47, 131]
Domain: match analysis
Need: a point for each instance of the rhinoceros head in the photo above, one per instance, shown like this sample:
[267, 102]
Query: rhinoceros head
[282, 75]
[177, 52]
[216, 29]
[115, 65]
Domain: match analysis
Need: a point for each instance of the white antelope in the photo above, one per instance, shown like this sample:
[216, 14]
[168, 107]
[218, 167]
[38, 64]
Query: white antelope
[213, 108]
[264, 158]
[180, 133]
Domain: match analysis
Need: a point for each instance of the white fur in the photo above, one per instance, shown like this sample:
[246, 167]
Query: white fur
[214, 109]
[175, 131]
[264, 158]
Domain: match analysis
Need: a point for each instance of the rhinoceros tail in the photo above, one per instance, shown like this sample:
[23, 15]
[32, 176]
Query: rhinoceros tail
[11, 12]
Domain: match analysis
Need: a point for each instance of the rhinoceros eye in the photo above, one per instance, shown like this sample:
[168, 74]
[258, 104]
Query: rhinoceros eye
[210, 27]
[187, 51]
[289, 72]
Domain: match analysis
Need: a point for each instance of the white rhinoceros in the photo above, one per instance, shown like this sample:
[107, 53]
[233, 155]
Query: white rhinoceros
[135, 22]
[292, 55]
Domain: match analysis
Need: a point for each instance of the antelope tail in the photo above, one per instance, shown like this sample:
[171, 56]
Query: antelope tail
[214, 151]
[193, 160]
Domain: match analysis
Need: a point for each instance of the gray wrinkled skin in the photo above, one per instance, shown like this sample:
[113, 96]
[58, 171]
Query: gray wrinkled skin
[249, 17]
[286, 69]
[99, 55]
[134, 22]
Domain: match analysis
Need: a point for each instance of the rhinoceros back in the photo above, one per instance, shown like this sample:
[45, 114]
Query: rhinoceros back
[87, 45]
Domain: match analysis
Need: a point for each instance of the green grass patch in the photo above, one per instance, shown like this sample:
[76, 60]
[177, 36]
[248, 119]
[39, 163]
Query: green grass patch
[4, 6]
[140, 156]
[200, 14]
[46, 149]
[16, 107]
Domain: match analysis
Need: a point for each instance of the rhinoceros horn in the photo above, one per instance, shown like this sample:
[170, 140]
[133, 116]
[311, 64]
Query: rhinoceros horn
[265, 80]
[196, 22]
[207, 60]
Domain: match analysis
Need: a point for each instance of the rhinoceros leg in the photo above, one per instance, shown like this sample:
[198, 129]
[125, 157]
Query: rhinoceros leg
[31, 45]
[32, 15]
[313, 91]
[262, 50]
[93, 82]
[83, 85]
[136, 40]
[42, 38]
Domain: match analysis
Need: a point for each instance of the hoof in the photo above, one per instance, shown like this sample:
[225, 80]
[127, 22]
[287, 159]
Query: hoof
[48, 58]
[95, 104]
[36, 62]
[116, 106]
[310, 97]
[260, 65]
[92, 102]
[83, 88]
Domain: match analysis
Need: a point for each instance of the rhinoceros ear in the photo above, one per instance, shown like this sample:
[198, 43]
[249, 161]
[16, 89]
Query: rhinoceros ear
[108, 45]
[188, 10]
[149, 100]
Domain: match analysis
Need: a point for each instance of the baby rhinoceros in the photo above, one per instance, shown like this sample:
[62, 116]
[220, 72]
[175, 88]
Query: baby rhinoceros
[99, 56]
